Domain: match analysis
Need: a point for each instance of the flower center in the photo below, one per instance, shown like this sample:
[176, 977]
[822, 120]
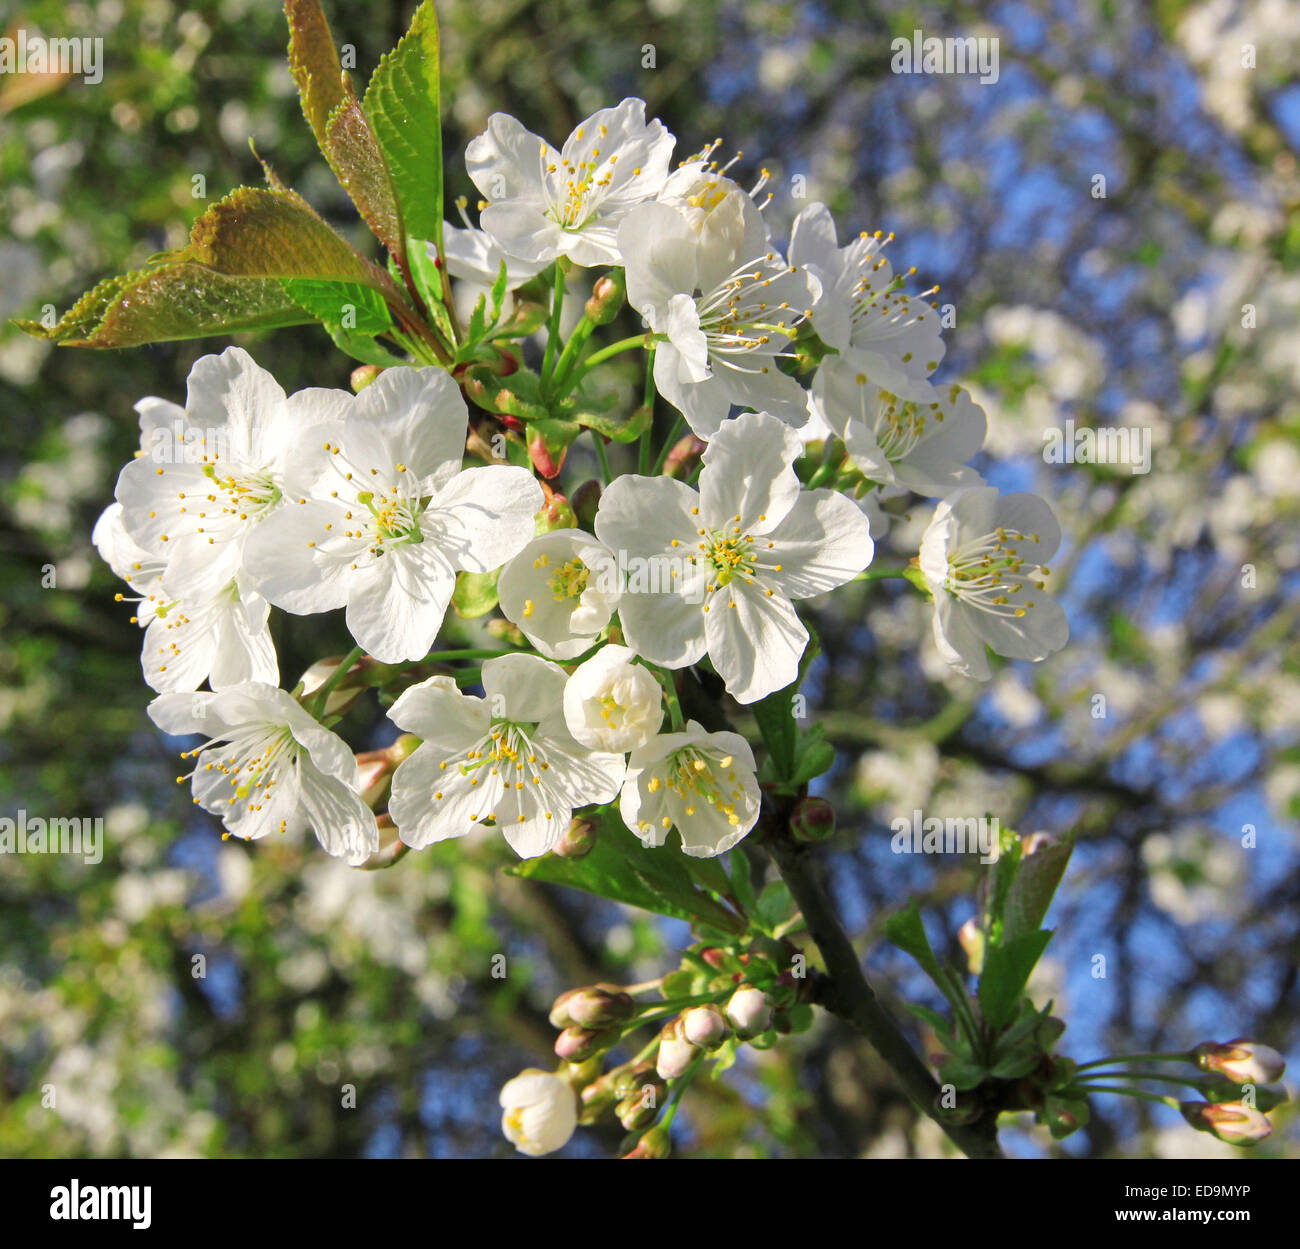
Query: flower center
[698, 776]
[738, 316]
[258, 759]
[989, 571]
[575, 186]
[570, 580]
[246, 497]
[507, 750]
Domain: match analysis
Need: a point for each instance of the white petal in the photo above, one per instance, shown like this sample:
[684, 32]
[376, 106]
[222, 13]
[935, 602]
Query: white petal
[755, 645]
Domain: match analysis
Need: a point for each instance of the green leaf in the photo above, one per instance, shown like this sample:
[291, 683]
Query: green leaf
[475, 593]
[329, 303]
[358, 162]
[616, 428]
[742, 879]
[814, 755]
[401, 102]
[162, 304]
[1007, 969]
[362, 347]
[314, 64]
[227, 278]
[1031, 892]
[1017, 1062]
[905, 929]
[342, 129]
[620, 868]
[499, 288]
[962, 1074]
[775, 904]
[776, 718]
[932, 1017]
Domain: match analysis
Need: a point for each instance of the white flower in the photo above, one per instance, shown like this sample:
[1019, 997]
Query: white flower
[697, 186]
[862, 309]
[733, 557]
[387, 517]
[561, 591]
[474, 257]
[222, 639]
[269, 767]
[981, 557]
[193, 498]
[541, 1112]
[507, 757]
[922, 446]
[542, 203]
[612, 704]
[702, 784]
[728, 304]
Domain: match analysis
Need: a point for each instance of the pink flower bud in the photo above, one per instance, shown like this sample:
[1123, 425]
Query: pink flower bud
[749, 1011]
[705, 1026]
[1242, 1061]
[1233, 1122]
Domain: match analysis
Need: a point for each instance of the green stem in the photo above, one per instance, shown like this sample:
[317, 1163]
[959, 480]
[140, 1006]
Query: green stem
[553, 326]
[673, 435]
[331, 683]
[1123, 1092]
[829, 465]
[878, 574]
[643, 341]
[665, 679]
[1136, 1058]
[683, 1083]
[1139, 1075]
[440, 657]
[564, 366]
[603, 456]
[847, 994]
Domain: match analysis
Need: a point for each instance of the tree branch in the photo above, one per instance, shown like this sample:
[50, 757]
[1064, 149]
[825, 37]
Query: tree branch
[847, 994]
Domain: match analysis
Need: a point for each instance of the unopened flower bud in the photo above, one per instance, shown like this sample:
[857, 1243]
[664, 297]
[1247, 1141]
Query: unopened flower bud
[676, 1053]
[362, 377]
[654, 1144]
[749, 1011]
[971, 936]
[586, 499]
[705, 1026]
[598, 1008]
[342, 696]
[576, 1045]
[684, 456]
[559, 1015]
[1232, 1122]
[506, 632]
[1245, 1062]
[813, 819]
[557, 513]
[607, 297]
[640, 1107]
[1263, 1097]
[540, 1112]
[578, 841]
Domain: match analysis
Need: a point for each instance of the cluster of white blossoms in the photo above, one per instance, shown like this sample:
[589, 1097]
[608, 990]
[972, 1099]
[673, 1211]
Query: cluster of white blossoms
[247, 499]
